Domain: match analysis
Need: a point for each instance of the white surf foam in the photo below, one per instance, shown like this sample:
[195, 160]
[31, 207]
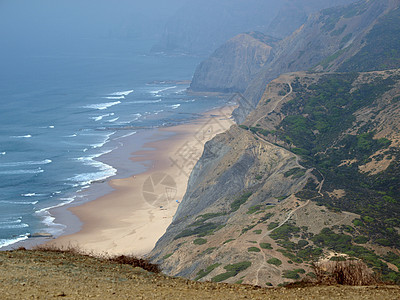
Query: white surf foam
[52, 227]
[123, 93]
[105, 140]
[32, 195]
[21, 172]
[113, 120]
[8, 242]
[26, 163]
[101, 117]
[175, 106]
[102, 106]
[162, 90]
[22, 136]
[19, 202]
[3, 153]
[114, 97]
[126, 135]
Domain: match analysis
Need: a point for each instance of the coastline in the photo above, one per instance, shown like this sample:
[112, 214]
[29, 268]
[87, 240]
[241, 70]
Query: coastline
[137, 209]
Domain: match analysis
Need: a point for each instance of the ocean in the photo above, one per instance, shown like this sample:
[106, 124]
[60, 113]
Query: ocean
[61, 110]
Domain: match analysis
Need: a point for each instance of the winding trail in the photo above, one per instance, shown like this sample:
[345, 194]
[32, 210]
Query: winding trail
[277, 103]
[263, 264]
[269, 232]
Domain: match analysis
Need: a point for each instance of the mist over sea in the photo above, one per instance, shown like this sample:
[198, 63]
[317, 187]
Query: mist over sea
[59, 111]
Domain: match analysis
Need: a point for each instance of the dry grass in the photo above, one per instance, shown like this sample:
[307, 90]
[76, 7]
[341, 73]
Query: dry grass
[121, 259]
[349, 272]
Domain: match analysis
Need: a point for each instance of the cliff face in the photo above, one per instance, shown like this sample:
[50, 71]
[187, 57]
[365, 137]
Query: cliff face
[233, 65]
[319, 152]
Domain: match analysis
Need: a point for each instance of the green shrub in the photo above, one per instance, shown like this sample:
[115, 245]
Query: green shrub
[235, 205]
[257, 231]
[253, 209]
[253, 249]
[361, 239]
[228, 241]
[272, 225]
[290, 274]
[231, 271]
[265, 246]
[199, 241]
[284, 232]
[167, 256]
[274, 261]
[208, 270]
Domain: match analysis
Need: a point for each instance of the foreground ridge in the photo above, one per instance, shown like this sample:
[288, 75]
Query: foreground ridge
[49, 274]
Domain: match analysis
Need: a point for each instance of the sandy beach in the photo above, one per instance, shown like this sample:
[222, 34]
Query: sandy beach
[131, 218]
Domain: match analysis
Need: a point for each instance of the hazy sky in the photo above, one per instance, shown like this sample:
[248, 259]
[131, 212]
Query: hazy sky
[48, 23]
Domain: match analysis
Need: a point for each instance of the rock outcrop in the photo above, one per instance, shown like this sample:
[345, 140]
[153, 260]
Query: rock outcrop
[233, 65]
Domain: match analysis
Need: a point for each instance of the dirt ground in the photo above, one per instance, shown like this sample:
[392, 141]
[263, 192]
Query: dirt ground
[52, 275]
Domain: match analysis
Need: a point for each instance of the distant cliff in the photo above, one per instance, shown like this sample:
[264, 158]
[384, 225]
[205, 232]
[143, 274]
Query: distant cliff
[233, 65]
[331, 40]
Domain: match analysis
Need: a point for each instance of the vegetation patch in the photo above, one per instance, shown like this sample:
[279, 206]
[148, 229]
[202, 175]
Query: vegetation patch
[253, 249]
[272, 225]
[257, 231]
[235, 205]
[231, 271]
[293, 274]
[200, 241]
[274, 261]
[265, 246]
[295, 173]
[228, 241]
[284, 232]
[254, 209]
[205, 272]
[167, 256]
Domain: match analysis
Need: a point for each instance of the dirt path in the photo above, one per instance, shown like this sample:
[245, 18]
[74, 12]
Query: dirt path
[263, 264]
[276, 104]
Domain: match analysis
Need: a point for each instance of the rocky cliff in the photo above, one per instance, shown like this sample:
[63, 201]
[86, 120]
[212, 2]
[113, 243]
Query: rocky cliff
[319, 152]
[233, 65]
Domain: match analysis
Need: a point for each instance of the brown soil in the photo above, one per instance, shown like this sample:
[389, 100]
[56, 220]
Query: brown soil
[52, 275]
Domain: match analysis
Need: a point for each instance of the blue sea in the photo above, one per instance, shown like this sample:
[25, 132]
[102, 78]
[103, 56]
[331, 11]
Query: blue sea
[61, 110]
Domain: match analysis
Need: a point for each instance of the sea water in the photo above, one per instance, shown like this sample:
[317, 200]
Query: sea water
[60, 111]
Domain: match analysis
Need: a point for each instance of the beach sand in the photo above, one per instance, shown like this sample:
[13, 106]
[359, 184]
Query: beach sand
[131, 218]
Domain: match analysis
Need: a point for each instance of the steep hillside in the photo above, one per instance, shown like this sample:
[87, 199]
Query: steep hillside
[341, 38]
[319, 152]
[233, 65]
[49, 275]
[294, 13]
